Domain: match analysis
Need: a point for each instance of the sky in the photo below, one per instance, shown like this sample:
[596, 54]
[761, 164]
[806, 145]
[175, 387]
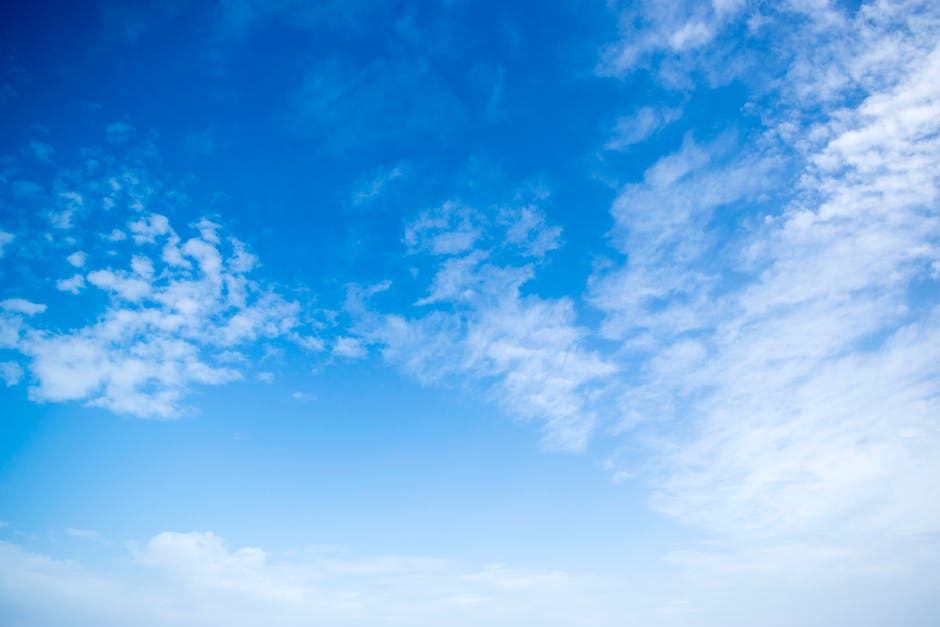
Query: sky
[455, 313]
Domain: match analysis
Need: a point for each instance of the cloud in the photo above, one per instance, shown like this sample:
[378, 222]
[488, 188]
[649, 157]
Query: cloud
[450, 229]
[22, 306]
[10, 372]
[176, 303]
[166, 318]
[42, 151]
[476, 324]
[349, 348]
[375, 187]
[73, 284]
[669, 37]
[640, 126]
[116, 235]
[77, 259]
[789, 370]
[194, 578]
[5, 239]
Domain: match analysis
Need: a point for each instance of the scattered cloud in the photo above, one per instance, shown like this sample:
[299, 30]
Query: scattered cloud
[450, 229]
[10, 372]
[349, 348]
[22, 306]
[73, 284]
[640, 126]
[375, 187]
[789, 376]
[5, 240]
[177, 302]
[476, 323]
[196, 579]
[77, 259]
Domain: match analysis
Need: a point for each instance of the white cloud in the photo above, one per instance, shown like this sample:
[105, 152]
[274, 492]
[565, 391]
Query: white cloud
[73, 284]
[167, 327]
[178, 307]
[377, 185]
[184, 579]
[479, 325]
[194, 579]
[85, 534]
[125, 285]
[640, 126]
[662, 225]
[791, 374]
[69, 203]
[10, 372]
[665, 36]
[42, 151]
[22, 306]
[349, 347]
[527, 230]
[77, 259]
[447, 230]
[147, 229]
[116, 235]
[5, 239]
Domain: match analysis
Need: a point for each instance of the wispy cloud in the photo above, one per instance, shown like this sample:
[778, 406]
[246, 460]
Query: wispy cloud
[179, 303]
[640, 126]
[195, 579]
[795, 368]
[371, 190]
[475, 322]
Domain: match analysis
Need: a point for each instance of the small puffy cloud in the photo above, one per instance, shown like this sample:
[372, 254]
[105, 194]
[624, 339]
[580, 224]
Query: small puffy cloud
[172, 322]
[73, 284]
[125, 285]
[5, 239]
[527, 229]
[85, 534]
[77, 259]
[196, 578]
[116, 235]
[789, 367]
[349, 348]
[148, 228]
[650, 34]
[68, 204]
[10, 372]
[450, 229]
[375, 187]
[22, 306]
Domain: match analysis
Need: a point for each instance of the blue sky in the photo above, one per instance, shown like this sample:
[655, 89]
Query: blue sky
[460, 313]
